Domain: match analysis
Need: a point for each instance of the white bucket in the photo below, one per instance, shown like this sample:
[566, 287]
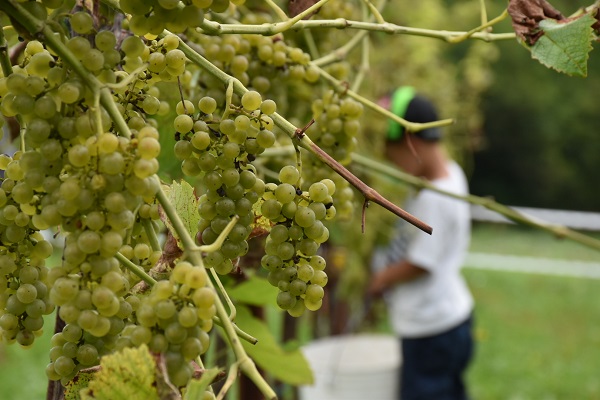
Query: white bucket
[365, 366]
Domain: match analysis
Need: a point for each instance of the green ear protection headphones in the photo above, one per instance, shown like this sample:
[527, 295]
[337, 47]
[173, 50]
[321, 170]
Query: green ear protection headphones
[401, 98]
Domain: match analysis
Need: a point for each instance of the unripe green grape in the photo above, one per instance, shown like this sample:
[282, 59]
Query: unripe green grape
[184, 107]
[265, 138]
[251, 100]
[175, 58]
[203, 297]
[64, 365]
[94, 60]
[285, 300]
[187, 317]
[286, 250]
[313, 305]
[285, 193]
[183, 123]
[68, 93]
[87, 354]
[268, 107]
[26, 293]
[271, 209]
[304, 217]
[320, 278]
[132, 46]
[81, 22]
[196, 278]
[289, 174]
[207, 105]
[298, 309]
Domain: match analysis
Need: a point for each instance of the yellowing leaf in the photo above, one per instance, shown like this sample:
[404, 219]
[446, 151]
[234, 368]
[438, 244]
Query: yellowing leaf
[184, 200]
[565, 46]
[128, 374]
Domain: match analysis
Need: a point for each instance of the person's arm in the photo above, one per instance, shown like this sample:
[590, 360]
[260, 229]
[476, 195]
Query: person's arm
[400, 272]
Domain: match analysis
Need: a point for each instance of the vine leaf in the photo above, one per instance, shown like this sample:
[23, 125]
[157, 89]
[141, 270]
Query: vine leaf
[81, 381]
[255, 291]
[288, 366]
[183, 197]
[128, 374]
[565, 46]
[526, 16]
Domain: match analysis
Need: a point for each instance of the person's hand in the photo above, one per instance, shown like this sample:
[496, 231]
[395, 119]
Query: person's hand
[379, 283]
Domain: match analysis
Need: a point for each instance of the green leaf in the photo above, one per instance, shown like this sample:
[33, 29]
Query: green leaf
[196, 388]
[255, 291]
[565, 47]
[183, 198]
[128, 374]
[288, 366]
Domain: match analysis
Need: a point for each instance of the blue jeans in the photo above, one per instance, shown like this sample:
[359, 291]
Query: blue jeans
[433, 367]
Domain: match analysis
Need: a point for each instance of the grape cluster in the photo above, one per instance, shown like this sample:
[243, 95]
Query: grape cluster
[221, 153]
[79, 174]
[174, 319]
[23, 286]
[256, 61]
[335, 129]
[293, 242]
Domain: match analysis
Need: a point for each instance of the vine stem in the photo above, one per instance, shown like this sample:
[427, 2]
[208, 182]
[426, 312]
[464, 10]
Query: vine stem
[136, 269]
[510, 213]
[151, 233]
[216, 28]
[4, 57]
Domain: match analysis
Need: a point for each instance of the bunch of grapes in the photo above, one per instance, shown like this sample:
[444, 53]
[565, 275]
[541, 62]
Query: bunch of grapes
[221, 153]
[174, 319]
[293, 242]
[337, 123]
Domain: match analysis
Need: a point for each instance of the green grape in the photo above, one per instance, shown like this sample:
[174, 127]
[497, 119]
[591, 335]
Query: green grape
[318, 192]
[183, 123]
[196, 278]
[285, 193]
[175, 58]
[289, 174]
[271, 262]
[157, 62]
[87, 354]
[89, 242]
[183, 150]
[132, 46]
[201, 140]
[148, 148]
[271, 209]
[68, 93]
[305, 272]
[203, 297]
[105, 40]
[286, 250]
[285, 300]
[298, 309]
[319, 278]
[265, 138]
[26, 293]
[313, 305]
[279, 233]
[318, 263]
[165, 309]
[304, 217]
[81, 22]
[268, 107]
[251, 100]
[184, 107]
[64, 365]
[207, 105]
[187, 317]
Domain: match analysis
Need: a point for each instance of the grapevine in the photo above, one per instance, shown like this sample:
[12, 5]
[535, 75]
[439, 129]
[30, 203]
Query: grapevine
[90, 90]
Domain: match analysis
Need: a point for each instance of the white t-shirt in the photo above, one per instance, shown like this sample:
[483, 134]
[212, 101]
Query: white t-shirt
[439, 300]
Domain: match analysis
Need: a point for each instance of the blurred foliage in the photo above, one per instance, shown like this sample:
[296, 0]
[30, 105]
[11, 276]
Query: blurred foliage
[541, 147]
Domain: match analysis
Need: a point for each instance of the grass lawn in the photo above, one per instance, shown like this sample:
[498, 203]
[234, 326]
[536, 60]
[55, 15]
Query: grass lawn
[538, 336]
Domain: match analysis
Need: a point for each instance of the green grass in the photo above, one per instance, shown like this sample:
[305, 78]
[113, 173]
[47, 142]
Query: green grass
[525, 241]
[537, 336]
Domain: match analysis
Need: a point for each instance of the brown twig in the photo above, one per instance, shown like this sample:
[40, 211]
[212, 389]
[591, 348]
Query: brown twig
[364, 215]
[369, 193]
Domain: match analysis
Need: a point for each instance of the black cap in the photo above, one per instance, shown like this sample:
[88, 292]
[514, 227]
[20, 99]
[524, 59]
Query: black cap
[418, 110]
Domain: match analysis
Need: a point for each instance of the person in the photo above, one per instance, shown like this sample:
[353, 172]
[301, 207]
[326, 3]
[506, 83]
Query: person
[429, 304]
